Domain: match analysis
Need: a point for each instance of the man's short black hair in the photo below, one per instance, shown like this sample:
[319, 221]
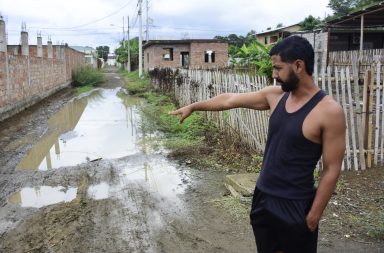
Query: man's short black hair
[295, 48]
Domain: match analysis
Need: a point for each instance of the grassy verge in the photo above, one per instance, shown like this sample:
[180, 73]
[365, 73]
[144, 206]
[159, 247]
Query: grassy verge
[195, 141]
[83, 89]
[86, 76]
[190, 134]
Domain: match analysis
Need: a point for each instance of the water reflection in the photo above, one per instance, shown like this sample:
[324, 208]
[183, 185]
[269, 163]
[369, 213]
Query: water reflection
[42, 196]
[99, 191]
[103, 124]
[159, 174]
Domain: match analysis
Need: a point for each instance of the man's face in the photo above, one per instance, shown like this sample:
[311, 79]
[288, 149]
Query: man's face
[284, 74]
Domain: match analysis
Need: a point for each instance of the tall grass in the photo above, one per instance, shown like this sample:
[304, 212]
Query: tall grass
[86, 75]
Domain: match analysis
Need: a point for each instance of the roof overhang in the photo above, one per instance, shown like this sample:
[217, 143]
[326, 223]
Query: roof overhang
[373, 17]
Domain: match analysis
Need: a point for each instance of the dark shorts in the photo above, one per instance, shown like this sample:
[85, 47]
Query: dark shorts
[280, 224]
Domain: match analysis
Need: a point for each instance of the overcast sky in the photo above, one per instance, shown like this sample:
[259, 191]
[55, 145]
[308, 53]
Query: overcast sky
[100, 22]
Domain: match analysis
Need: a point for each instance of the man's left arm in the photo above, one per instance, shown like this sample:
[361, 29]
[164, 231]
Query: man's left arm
[333, 140]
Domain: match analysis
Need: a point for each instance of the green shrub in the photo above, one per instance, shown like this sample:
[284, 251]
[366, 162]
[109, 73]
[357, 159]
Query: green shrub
[376, 229]
[86, 75]
[136, 85]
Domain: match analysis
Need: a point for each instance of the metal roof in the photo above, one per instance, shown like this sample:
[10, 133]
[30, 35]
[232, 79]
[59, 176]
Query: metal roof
[373, 17]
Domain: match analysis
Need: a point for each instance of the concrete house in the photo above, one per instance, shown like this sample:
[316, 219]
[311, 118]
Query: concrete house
[272, 36]
[90, 54]
[195, 53]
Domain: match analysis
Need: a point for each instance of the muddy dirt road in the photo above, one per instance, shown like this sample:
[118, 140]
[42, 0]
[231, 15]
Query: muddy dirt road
[85, 174]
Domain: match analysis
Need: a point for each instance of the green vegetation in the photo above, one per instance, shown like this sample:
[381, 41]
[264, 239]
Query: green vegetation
[249, 53]
[196, 140]
[83, 89]
[190, 133]
[234, 205]
[122, 52]
[102, 52]
[136, 85]
[86, 75]
[377, 231]
[343, 7]
[310, 23]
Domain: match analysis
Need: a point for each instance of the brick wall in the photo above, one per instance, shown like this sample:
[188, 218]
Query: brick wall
[153, 55]
[197, 54]
[25, 80]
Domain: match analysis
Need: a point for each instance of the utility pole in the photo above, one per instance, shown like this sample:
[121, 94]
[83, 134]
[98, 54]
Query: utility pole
[147, 24]
[129, 48]
[123, 32]
[140, 42]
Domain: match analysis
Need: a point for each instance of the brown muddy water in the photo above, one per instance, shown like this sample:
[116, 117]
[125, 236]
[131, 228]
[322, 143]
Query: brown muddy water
[98, 180]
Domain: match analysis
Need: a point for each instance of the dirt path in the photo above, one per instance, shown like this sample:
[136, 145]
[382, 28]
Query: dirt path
[136, 201]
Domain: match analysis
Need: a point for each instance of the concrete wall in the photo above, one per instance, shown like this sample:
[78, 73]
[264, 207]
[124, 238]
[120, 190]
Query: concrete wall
[319, 41]
[197, 54]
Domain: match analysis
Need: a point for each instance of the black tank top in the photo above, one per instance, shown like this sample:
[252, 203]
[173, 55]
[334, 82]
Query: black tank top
[289, 157]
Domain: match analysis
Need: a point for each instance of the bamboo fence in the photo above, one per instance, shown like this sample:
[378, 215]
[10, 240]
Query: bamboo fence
[361, 100]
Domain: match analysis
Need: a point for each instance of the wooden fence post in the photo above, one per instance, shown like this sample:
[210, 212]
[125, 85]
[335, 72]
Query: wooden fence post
[370, 118]
[377, 115]
[359, 117]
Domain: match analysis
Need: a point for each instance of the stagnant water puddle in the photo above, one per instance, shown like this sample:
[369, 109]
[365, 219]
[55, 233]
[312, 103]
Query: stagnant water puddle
[42, 196]
[103, 124]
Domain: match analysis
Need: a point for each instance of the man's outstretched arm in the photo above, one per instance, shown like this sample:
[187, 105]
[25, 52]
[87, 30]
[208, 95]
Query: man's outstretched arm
[259, 100]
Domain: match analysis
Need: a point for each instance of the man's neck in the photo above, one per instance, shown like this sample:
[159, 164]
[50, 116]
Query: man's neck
[306, 88]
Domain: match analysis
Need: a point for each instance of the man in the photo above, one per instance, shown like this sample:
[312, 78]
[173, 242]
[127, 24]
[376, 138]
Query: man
[304, 124]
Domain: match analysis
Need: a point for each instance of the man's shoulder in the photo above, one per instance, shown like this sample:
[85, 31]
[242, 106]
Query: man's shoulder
[273, 92]
[273, 89]
[331, 110]
[272, 95]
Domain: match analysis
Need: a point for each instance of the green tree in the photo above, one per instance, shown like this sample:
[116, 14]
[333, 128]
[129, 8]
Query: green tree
[250, 37]
[102, 52]
[310, 23]
[122, 52]
[256, 54]
[362, 3]
[343, 7]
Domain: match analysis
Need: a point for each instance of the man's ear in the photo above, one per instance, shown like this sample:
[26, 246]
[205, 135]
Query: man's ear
[299, 66]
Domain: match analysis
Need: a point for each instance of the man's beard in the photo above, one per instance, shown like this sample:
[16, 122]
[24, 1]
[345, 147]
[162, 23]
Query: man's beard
[291, 84]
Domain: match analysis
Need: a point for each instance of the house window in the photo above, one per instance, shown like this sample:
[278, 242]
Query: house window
[273, 39]
[209, 56]
[265, 40]
[168, 54]
[148, 57]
